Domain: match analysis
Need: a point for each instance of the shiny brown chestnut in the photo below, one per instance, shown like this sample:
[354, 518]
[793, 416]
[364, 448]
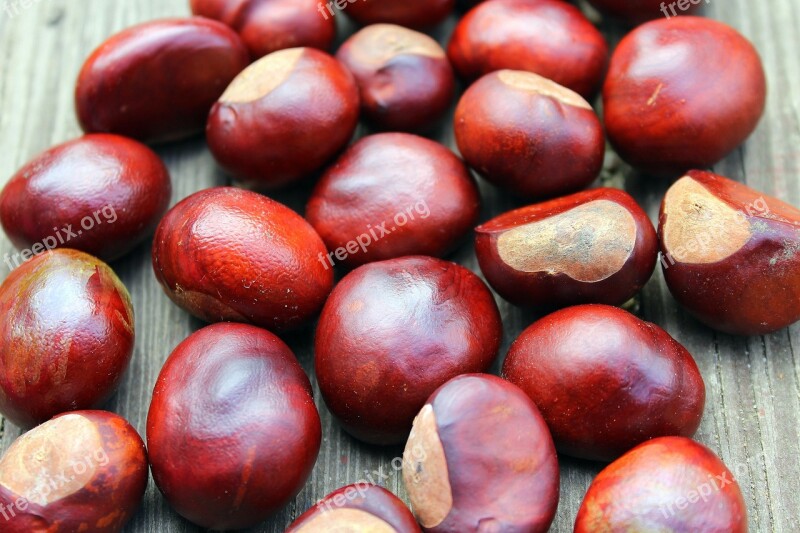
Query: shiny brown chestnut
[730, 254]
[663, 112]
[81, 471]
[361, 507]
[233, 432]
[595, 246]
[394, 331]
[529, 135]
[157, 81]
[606, 381]
[390, 195]
[417, 14]
[66, 336]
[480, 458]
[666, 484]
[225, 254]
[284, 117]
[102, 194]
[642, 10]
[548, 37]
[405, 79]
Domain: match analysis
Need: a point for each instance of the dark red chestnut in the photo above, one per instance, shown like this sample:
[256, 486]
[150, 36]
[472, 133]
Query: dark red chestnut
[729, 254]
[284, 117]
[232, 431]
[480, 458]
[549, 37]
[390, 195]
[595, 246]
[641, 10]
[267, 26]
[66, 336]
[226, 254]
[663, 112]
[394, 331]
[666, 484]
[102, 194]
[81, 471]
[405, 79]
[606, 381]
[529, 135]
[411, 13]
[156, 81]
[361, 507]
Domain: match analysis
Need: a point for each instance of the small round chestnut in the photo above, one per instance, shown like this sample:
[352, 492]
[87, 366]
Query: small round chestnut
[606, 381]
[392, 332]
[419, 14]
[529, 135]
[730, 254]
[232, 432]
[405, 79]
[595, 246]
[157, 81]
[663, 112]
[80, 471]
[66, 336]
[102, 194]
[480, 458]
[361, 507]
[226, 254]
[284, 117]
[548, 37]
[390, 195]
[642, 10]
[666, 484]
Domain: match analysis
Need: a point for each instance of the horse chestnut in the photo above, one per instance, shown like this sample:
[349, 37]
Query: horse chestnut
[641, 10]
[392, 332]
[233, 431]
[411, 13]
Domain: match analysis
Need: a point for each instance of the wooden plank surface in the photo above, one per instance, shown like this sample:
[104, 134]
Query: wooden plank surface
[752, 416]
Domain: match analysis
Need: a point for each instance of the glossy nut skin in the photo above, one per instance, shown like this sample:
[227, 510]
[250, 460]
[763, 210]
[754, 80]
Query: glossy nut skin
[595, 246]
[548, 37]
[418, 14]
[641, 491]
[730, 254]
[156, 81]
[389, 178]
[663, 113]
[267, 26]
[642, 10]
[284, 117]
[98, 464]
[529, 135]
[211, 257]
[606, 381]
[480, 458]
[358, 507]
[233, 432]
[405, 80]
[392, 332]
[108, 178]
[66, 336]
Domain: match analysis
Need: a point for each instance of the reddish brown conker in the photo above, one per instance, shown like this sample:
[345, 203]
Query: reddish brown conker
[411, 13]
[642, 10]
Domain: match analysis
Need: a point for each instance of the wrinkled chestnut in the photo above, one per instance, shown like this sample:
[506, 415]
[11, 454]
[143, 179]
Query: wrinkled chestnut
[549, 37]
[226, 254]
[392, 332]
[663, 112]
[666, 484]
[411, 13]
[606, 381]
[390, 195]
[156, 81]
[404, 77]
[641, 10]
[66, 336]
[102, 194]
[480, 458]
[529, 135]
[360, 507]
[594, 246]
[232, 431]
[284, 117]
[730, 254]
[81, 471]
